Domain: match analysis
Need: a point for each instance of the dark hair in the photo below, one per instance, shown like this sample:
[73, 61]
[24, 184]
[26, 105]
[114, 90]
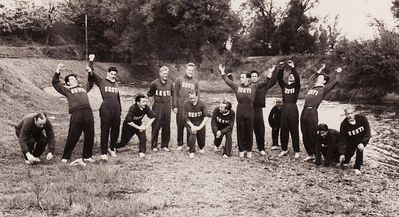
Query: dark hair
[227, 103]
[254, 71]
[191, 92]
[248, 75]
[138, 97]
[66, 79]
[112, 68]
[322, 127]
[190, 64]
[40, 115]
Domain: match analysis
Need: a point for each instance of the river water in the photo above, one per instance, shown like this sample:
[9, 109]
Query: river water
[383, 148]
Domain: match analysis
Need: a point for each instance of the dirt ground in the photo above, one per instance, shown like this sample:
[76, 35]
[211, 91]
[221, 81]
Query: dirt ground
[172, 184]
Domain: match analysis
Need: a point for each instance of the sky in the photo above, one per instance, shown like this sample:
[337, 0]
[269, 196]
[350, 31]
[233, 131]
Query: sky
[354, 15]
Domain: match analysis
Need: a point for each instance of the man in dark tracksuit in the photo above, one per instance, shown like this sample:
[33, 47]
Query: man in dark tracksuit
[259, 104]
[289, 115]
[245, 94]
[309, 116]
[31, 139]
[355, 135]
[274, 122]
[183, 85]
[133, 124]
[328, 143]
[196, 115]
[162, 91]
[110, 109]
[81, 114]
[222, 123]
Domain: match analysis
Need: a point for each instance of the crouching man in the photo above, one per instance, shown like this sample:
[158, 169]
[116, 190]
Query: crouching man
[327, 144]
[195, 115]
[133, 124]
[222, 123]
[355, 135]
[31, 139]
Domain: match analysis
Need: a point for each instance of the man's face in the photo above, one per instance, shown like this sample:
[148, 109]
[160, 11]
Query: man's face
[350, 114]
[243, 79]
[193, 98]
[279, 104]
[142, 103]
[40, 122]
[222, 107]
[320, 80]
[73, 81]
[323, 134]
[164, 74]
[254, 77]
[112, 75]
[190, 71]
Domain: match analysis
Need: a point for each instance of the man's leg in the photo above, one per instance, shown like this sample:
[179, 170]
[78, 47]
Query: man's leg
[165, 137]
[259, 128]
[275, 132]
[156, 125]
[294, 127]
[180, 125]
[115, 126]
[105, 120]
[240, 132]
[127, 133]
[305, 129]
[142, 141]
[74, 132]
[284, 130]
[191, 140]
[359, 159]
[201, 138]
[228, 144]
[249, 129]
[41, 143]
[88, 131]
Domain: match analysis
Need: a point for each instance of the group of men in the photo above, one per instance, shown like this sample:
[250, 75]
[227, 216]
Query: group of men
[182, 97]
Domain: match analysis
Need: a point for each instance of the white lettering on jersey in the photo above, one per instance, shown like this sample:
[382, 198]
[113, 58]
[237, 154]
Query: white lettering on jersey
[244, 90]
[163, 93]
[356, 131]
[289, 91]
[194, 114]
[219, 120]
[78, 90]
[188, 85]
[313, 92]
[111, 89]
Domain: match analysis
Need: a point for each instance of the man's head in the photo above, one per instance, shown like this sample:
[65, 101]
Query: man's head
[224, 106]
[279, 103]
[141, 101]
[254, 76]
[164, 73]
[190, 69]
[111, 74]
[322, 79]
[40, 120]
[350, 113]
[193, 97]
[71, 80]
[322, 130]
[244, 78]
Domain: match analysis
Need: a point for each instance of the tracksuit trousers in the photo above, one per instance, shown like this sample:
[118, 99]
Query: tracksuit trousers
[127, 133]
[162, 120]
[289, 125]
[199, 137]
[110, 122]
[309, 121]
[259, 128]
[275, 133]
[180, 126]
[245, 126]
[228, 144]
[80, 121]
[351, 150]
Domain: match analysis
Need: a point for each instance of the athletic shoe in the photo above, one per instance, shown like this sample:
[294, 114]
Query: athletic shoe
[308, 158]
[89, 160]
[64, 161]
[28, 162]
[282, 153]
[112, 153]
[215, 148]
[165, 149]
[296, 156]
[154, 149]
[104, 157]
[202, 151]
[78, 162]
[263, 153]
[274, 147]
[191, 155]
[249, 154]
[241, 154]
[179, 148]
[225, 156]
[358, 172]
[141, 155]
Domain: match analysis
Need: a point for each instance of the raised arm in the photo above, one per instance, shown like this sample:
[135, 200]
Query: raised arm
[56, 80]
[229, 82]
[280, 75]
[297, 83]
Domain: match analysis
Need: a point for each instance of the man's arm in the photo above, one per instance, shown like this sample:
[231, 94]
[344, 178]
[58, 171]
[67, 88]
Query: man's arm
[56, 81]
[280, 75]
[152, 90]
[317, 151]
[50, 136]
[344, 139]
[367, 134]
[297, 83]
[226, 79]
[213, 121]
[176, 90]
[24, 136]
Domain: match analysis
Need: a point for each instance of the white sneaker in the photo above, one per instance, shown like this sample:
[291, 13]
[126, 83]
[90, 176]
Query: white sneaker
[191, 155]
[64, 161]
[112, 153]
[89, 160]
[263, 153]
[296, 156]
[141, 155]
[308, 158]
[28, 162]
[78, 162]
[241, 154]
[154, 149]
[249, 154]
[225, 156]
[282, 153]
[275, 147]
[215, 148]
[358, 172]
[179, 148]
[104, 157]
[202, 151]
[165, 149]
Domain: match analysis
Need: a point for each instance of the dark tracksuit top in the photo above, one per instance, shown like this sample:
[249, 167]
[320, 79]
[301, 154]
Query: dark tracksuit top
[274, 122]
[29, 134]
[81, 117]
[289, 115]
[245, 95]
[183, 85]
[135, 115]
[352, 136]
[195, 114]
[224, 123]
[309, 115]
[259, 104]
[163, 96]
[329, 147]
[110, 109]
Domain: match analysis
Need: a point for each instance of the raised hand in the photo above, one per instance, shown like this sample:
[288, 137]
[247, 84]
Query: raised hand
[88, 68]
[91, 57]
[49, 156]
[222, 69]
[60, 67]
[339, 69]
[229, 44]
